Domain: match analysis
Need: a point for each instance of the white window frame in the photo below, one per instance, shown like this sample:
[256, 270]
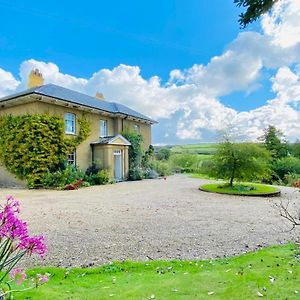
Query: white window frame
[103, 128]
[70, 122]
[72, 158]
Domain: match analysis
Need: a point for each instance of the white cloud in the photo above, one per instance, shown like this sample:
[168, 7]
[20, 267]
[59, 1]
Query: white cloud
[8, 83]
[283, 25]
[193, 95]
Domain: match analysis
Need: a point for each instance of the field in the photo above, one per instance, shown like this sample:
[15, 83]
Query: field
[273, 273]
[204, 149]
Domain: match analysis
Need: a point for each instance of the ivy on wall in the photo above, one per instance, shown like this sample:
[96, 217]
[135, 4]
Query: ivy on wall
[32, 145]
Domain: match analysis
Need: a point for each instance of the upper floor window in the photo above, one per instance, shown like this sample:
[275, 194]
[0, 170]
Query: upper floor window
[103, 128]
[137, 128]
[70, 123]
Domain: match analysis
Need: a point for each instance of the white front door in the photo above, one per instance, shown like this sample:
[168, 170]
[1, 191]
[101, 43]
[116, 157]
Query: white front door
[118, 165]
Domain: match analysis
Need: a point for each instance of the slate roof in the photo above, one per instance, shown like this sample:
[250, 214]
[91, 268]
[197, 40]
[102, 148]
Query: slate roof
[110, 139]
[61, 93]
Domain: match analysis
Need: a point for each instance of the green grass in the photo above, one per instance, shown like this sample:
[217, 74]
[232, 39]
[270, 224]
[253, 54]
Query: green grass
[239, 189]
[204, 149]
[239, 277]
[200, 176]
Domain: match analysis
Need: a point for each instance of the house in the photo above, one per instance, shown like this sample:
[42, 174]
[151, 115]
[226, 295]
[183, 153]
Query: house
[105, 144]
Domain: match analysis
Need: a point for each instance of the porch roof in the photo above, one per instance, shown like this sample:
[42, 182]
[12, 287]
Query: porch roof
[112, 140]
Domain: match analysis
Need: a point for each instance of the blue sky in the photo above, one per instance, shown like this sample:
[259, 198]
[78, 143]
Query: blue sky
[87, 45]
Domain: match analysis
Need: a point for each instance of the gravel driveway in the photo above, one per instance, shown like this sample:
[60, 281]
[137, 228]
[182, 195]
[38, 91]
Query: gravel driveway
[150, 219]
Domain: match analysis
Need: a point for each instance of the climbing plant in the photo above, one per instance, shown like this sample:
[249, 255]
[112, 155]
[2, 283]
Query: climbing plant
[32, 145]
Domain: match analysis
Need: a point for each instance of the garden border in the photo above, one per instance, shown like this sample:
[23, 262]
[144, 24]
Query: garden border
[263, 195]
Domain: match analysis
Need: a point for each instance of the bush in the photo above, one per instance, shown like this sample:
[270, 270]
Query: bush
[150, 174]
[162, 167]
[100, 178]
[135, 174]
[32, 145]
[92, 170]
[60, 178]
[285, 166]
[185, 163]
[292, 180]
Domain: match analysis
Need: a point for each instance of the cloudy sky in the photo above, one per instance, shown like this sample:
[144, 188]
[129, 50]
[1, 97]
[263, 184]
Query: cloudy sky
[184, 63]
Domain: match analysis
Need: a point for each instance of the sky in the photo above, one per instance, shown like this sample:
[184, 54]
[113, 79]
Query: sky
[186, 64]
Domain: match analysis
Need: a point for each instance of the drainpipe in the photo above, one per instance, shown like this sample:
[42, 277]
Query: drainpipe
[93, 155]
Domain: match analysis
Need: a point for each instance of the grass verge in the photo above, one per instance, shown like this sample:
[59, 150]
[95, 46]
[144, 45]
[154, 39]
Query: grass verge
[272, 272]
[245, 189]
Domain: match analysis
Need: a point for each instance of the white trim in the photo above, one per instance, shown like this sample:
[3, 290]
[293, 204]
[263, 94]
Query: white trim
[119, 136]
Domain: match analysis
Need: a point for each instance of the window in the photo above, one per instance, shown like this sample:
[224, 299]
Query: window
[103, 128]
[70, 123]
[72, 158]
[137, 128]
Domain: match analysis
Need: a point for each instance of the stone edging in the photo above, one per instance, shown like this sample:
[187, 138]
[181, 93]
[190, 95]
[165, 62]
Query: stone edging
[271, 194]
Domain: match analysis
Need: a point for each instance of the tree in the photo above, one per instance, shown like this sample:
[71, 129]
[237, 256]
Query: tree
[163, 153]
[295, 149]
[241, 162]
[274, 142]
[254, 9]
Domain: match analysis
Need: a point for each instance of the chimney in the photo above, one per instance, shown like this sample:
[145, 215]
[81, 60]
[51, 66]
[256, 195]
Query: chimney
[99, 96]
[35, 79]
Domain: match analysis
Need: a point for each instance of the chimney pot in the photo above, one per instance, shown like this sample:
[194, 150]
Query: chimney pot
[35, 79]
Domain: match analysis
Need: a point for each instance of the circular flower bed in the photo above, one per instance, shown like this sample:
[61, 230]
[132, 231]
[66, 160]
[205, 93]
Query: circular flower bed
[242, 189]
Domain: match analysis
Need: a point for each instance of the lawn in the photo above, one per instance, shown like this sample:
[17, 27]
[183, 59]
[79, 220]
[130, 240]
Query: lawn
[239, 188]
[273, 273]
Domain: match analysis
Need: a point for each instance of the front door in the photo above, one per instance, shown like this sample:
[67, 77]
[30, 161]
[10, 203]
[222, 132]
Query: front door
[118, 165]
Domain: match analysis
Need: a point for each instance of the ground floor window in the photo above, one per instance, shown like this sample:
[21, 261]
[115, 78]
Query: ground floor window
[72, 158]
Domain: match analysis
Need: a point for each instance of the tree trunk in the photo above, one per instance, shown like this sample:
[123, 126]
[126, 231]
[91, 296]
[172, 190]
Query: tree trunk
[232, 175]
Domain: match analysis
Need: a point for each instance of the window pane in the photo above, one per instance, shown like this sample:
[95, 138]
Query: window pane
[103, 128]
[70, 122]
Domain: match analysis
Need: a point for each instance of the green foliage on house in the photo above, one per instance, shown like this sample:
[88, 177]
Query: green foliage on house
[32, 145]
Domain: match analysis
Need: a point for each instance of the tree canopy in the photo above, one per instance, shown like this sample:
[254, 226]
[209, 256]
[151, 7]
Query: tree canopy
[241, 162]
[274, 142]
[254, 9]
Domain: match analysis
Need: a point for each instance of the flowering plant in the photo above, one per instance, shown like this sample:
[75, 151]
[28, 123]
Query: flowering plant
[15, 243]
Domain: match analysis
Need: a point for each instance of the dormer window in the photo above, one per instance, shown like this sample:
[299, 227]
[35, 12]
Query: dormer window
[70, 123]
[103, 128]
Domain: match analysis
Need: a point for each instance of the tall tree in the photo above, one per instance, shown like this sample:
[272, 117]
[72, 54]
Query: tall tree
[274, 142]
[254, 9]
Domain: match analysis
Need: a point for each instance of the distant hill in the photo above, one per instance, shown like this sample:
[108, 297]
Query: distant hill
[203, 148]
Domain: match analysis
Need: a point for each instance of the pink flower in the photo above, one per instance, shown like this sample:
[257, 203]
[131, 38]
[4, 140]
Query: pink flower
[18, 275]
[42, 278]
[34, 244]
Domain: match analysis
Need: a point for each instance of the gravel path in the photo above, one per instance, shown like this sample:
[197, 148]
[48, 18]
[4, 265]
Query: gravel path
[150, 219]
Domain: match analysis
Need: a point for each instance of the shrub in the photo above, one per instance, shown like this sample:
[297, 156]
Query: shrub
[92, 170]
[150, 174]
[100, 178]
[135, 174]
[286, 165]
[185, 163]
[292, 180]
[32, 145]
[135, 155]
[162, 167]
[60, 178]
